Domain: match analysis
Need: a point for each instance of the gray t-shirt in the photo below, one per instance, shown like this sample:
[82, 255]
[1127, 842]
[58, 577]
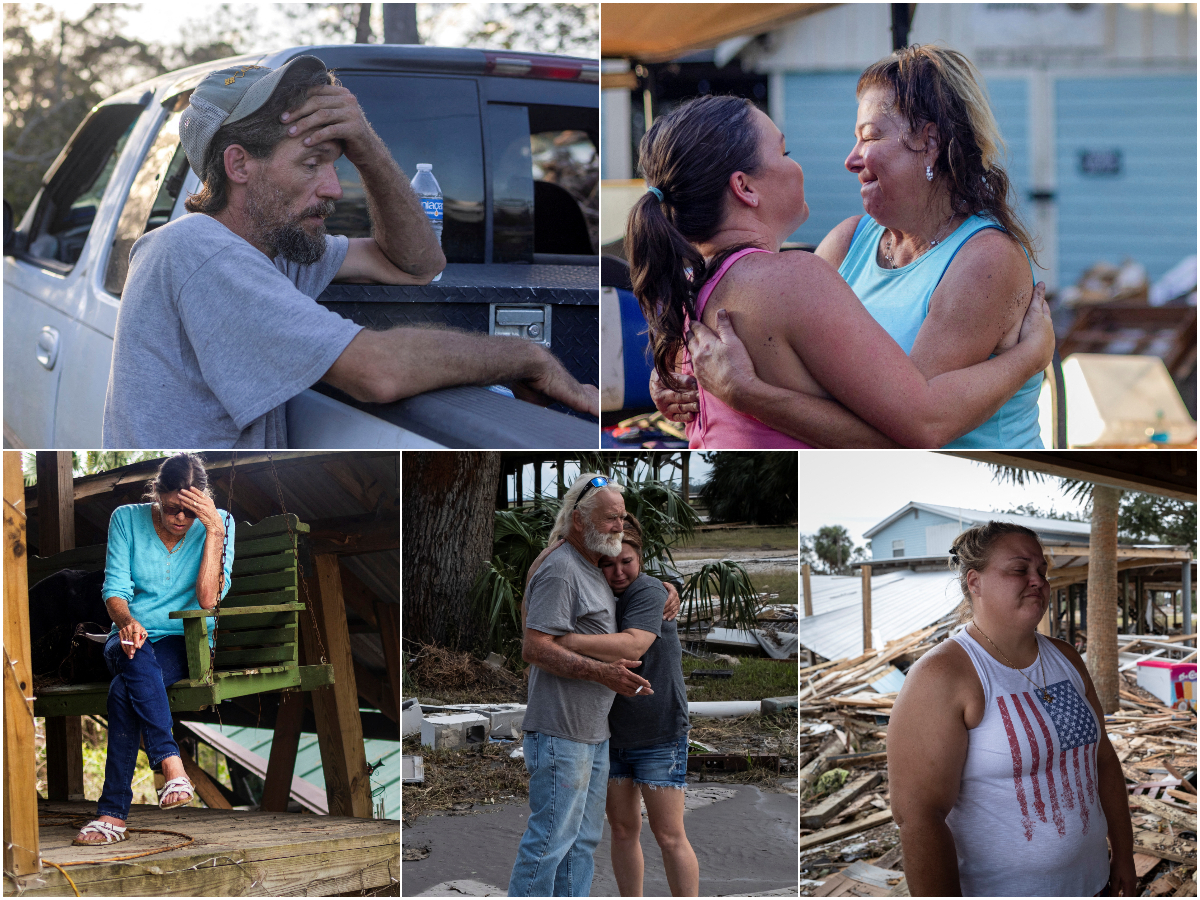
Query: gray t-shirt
[569, 594]
[213, 339]
[638, 722]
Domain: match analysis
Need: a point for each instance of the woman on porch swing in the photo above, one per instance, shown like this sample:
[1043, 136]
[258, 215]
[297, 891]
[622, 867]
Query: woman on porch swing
[163, 555]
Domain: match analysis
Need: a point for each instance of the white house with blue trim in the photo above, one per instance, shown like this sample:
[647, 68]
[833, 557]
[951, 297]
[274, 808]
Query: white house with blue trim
[919, 530]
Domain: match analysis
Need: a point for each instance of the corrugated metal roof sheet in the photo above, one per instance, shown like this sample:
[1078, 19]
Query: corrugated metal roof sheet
[385, 782]
[901, 603]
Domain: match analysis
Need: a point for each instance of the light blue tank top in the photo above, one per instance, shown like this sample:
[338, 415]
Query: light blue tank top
[898, 299]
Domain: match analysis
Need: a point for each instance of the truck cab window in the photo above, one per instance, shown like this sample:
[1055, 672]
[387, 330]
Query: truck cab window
[66, 206]
[565, 192]
[151, 199]
[422, 119]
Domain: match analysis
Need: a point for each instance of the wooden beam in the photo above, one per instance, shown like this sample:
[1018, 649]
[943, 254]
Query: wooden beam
[836, 802]
[1161, 553]
[335, 706]
[359, 483]
[376, 691]
[806, 574]
[866, 604]
[1073, 574]
[389, 633]
[348, 535]
[206, 788]
[56, 533]
[281, 767]
[21, 849]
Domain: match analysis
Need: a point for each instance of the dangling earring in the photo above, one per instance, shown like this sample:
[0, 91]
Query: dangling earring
[929, 173]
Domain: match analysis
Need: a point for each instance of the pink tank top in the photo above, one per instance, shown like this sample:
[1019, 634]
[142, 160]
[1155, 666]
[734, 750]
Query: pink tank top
[719, 426]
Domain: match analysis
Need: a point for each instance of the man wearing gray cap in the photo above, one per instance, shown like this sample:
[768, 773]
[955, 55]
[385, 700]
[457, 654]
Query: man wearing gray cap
[218, 325]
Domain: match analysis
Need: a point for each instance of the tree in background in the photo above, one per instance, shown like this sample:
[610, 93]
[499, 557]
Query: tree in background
[92, 462]
[834, 550]
[449, 501]
[1147, 517]
[754, 487]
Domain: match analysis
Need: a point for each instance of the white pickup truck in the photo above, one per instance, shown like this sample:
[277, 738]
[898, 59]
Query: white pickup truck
[499, 129]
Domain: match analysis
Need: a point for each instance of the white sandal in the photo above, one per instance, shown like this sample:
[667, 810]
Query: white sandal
[176, 786]
[113, 834]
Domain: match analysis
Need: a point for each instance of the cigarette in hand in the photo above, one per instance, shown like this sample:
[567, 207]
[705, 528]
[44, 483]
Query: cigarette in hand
[639, 690]
[128, 642]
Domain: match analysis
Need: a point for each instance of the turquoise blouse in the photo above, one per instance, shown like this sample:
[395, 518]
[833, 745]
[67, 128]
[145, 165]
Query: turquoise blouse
[153, 581]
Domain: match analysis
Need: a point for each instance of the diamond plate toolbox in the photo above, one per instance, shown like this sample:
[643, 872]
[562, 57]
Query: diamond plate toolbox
[556, 306]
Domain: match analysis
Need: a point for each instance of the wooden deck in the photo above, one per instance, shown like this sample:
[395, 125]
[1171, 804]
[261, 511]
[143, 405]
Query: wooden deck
[234, 854]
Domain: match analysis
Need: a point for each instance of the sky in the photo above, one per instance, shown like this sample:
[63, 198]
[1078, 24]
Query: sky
[859, 488]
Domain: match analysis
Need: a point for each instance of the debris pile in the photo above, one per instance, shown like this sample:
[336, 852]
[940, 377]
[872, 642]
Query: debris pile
[849, 845]
[458, 676]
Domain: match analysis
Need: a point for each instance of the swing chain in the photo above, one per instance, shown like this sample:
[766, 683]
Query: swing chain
[296, 552]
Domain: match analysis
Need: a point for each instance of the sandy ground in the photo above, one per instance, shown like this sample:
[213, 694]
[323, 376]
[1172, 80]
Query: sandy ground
[745, 841]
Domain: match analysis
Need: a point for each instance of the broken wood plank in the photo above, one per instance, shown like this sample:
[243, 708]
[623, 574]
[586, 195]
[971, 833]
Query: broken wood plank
[1164, 884]
[811, 772]
[1180, 795]
[1143, 863]
[1187, 889]
[1164, 846]
[826, 835]
[1177, 774]
[857, 759]
[1165, 810]
[835, 803]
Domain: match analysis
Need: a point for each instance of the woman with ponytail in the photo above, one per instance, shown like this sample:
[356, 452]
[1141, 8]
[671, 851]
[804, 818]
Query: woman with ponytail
[940, 264]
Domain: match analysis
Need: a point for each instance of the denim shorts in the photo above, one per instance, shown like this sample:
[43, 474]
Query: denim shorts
[660, 765]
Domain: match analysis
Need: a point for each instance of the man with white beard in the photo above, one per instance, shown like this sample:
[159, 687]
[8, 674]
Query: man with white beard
[566, 723]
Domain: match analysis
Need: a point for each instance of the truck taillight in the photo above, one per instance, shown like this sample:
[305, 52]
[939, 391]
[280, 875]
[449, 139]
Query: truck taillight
[542, 67]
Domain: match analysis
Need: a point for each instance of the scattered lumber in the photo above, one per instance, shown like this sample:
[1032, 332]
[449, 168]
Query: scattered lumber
[832, 805]
[840, 831]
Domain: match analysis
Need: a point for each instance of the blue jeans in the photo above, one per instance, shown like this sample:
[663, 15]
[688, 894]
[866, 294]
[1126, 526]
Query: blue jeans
[568, 782]
[137, 706]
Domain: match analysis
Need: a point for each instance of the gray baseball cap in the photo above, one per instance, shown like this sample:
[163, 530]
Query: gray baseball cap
[229, 95]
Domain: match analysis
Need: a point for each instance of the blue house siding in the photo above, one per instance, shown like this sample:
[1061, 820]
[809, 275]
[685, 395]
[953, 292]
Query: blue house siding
[908, 528]
[1010, 106]
[819, 115]
[1148, 210]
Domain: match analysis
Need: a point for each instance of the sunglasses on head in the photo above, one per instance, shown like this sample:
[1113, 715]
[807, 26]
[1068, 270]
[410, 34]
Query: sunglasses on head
[173, 511]
[598, 482]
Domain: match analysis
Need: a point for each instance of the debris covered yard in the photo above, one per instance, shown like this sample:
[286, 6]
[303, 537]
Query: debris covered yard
[849, 845]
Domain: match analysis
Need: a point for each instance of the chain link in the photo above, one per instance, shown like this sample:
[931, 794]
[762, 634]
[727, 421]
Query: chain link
[296, 553]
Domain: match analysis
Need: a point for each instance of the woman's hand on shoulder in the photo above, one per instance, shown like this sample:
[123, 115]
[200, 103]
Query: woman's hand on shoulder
[1037, 330]
[206, 511]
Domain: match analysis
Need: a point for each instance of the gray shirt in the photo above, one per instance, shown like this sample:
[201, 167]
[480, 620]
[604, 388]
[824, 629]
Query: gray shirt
[638, 722]
[569, 594]
[213, 339]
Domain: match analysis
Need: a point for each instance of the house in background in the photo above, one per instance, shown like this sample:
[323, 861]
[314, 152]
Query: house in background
[924, 530]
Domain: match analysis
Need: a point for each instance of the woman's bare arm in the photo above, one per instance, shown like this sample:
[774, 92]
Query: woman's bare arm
[854, 359]
[631, 643]
[927, 749]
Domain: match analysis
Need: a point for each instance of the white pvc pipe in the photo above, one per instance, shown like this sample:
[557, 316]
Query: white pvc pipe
[724, 708]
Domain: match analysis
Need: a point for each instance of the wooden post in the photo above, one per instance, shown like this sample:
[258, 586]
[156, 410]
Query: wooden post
[561, 464]
[519, 483]
[537, 479]
[806, 574]
[339, 727]
[866, 601]
[56, 533]
[683, 476]
[21, 856]
[281, 767]
[1071, 614]
[1125, 602]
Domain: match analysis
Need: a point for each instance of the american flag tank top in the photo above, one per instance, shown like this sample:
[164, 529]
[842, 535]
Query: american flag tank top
[1028, 821]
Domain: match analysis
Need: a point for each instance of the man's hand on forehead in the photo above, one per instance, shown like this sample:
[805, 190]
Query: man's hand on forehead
[332, 113]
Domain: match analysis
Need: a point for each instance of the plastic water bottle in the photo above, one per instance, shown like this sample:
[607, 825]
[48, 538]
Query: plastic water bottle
[429, 192]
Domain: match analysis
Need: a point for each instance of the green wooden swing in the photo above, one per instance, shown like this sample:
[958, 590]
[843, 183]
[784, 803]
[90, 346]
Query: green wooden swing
[257, 629]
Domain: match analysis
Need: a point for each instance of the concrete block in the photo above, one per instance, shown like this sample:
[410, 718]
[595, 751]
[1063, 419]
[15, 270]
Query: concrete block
[412, 769]
[411, 717]
[775, 704]
[447, 732]
[504, 719]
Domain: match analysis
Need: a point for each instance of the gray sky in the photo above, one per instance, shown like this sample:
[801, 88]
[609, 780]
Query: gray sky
[860, 488]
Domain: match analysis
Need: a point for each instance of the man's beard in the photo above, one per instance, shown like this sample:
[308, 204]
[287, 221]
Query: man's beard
[599, 542]
[286, 236]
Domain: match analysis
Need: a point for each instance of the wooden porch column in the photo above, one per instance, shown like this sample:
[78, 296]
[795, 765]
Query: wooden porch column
[56, 533]
[335, 706]
[806, 574]
[388, 615]
[866, 601]
[21, 855]
[684, 463]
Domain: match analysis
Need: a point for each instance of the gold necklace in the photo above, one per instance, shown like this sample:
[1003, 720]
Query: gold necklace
[887, 255]
[1044, 689]
[159, 524]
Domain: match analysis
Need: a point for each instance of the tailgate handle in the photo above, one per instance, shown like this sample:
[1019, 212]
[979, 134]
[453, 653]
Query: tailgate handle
[47, 347]
[529, 322]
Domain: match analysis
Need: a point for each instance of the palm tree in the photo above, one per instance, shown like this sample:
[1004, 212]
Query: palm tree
[1102, 576]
